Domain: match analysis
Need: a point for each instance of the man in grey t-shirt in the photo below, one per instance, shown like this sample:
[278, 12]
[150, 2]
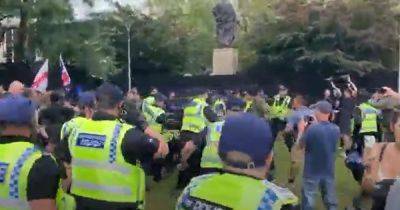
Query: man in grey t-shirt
[300, 112]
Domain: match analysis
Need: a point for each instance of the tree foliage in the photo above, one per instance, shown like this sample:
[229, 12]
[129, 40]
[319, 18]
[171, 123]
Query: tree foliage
[356, 36]
[280, 37]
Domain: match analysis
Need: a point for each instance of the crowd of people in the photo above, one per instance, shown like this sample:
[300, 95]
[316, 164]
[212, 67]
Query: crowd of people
[100, 149]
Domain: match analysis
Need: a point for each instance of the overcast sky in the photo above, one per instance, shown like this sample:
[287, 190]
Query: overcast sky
[81, 10]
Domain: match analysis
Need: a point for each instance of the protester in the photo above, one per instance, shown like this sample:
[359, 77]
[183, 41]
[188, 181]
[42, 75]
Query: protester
[344, 117]
[245, 149]
[386, 101]
[380, 171]
[16, 87]
[134, 97]
[300, 112]
[56, 113]
[319, 140]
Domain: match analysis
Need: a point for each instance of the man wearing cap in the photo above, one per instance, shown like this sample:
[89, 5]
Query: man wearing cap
[28, 178]
[104, 153]
[245, 149]
[319, 140]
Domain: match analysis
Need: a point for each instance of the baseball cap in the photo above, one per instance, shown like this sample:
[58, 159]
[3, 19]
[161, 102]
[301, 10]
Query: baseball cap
[87, 98]
[17, 109]
[248, 134]
[323, 107]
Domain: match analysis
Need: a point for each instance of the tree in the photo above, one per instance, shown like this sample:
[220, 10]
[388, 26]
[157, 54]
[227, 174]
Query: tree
[357, 37]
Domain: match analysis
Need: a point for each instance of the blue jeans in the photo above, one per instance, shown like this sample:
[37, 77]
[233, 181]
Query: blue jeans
[328, 191]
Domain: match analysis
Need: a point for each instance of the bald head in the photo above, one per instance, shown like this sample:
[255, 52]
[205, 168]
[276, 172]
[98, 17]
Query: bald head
[16, 87]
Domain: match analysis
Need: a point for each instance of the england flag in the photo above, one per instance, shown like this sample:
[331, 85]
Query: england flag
[41, 79]
[66, 80]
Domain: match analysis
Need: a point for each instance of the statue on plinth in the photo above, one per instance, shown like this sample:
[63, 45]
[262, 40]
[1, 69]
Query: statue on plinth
[226, 23]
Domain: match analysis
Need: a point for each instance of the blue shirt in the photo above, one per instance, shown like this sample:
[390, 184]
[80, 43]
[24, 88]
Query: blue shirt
[320, 142]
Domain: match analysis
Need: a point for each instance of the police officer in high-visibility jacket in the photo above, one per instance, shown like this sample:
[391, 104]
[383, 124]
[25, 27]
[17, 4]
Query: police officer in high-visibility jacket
[104, 155]
[279, 110]
[365, 125]
[245, 149]
[196, 115]
[219, 107]
[155, 114]
[210, 161]
[29, 179]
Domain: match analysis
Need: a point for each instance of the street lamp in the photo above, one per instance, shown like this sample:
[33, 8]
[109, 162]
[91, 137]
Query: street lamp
[128, 31]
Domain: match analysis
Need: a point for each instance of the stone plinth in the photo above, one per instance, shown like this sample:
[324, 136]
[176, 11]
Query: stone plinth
[225, 61]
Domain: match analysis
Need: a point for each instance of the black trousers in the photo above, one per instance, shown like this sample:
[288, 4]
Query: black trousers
[194, 160]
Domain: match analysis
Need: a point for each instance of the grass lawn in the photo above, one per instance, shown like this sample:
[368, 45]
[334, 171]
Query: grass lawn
[162, 196]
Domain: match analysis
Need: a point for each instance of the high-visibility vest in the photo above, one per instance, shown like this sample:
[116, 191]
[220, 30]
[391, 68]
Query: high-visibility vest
[236, 192]
[369, 118]
[99, 170]
[218, 103]
[16, 161]
[193, 116]
[249, 104]
[148, 101]
[210, 157]
[151, 100]
[65, 201]
[280, 109]
[151, 113]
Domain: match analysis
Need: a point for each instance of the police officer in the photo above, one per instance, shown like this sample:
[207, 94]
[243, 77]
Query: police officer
[104, 153]
[219, 106]
[196, 115]
[210, 161]
[279, 110]
[86, 104]
[156, 118]
[28, 178]
[245, 149]
[256, 104]
[155, 114]
[366, 120]
[365, 133]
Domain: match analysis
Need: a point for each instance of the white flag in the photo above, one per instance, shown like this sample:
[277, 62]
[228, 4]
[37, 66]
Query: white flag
[41, 79]
[66, 80]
